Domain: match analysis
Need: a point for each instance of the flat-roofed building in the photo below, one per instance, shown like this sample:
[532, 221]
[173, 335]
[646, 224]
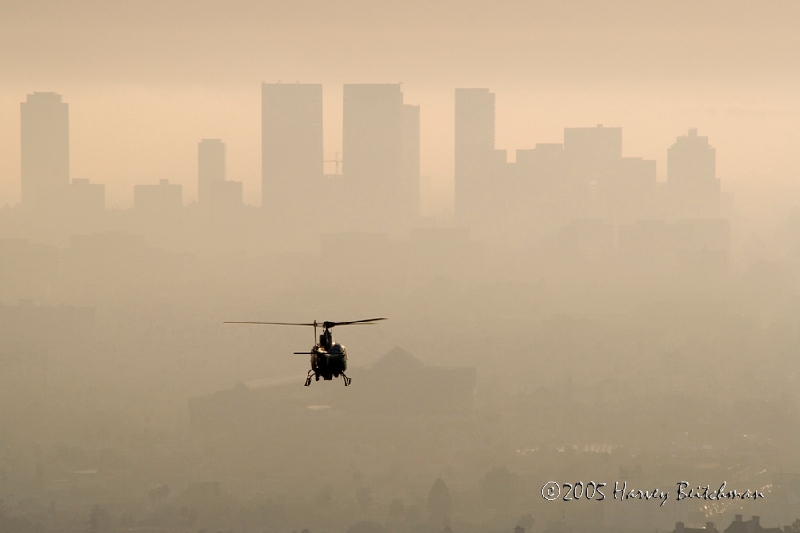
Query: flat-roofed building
[163, 198]
[380, 161]
[291, 147]
[394, 409]
[691, 177]
[210, 167]
[44, 150]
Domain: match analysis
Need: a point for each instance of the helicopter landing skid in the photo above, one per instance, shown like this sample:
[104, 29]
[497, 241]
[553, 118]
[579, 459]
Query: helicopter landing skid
[347, 380]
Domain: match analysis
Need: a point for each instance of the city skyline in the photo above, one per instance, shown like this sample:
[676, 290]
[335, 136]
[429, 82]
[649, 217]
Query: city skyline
[730, 73]
[189, 197]
[574, 223]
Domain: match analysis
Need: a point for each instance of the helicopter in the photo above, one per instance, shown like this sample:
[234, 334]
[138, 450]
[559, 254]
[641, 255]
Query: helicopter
[328, 357]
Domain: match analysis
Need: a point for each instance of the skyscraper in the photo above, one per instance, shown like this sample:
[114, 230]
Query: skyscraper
[372, 136]
[593, 158]
[380, 162]
[210, 167]
[477, 163]
[593, 146]
[691, 177]
[44, 150]
[291, 145]
[691, 160]
[411, 163]
[474, 116]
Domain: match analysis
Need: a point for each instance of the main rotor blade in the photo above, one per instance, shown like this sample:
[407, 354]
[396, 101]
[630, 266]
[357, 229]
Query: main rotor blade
[314, 324]
[365, 321]
[277, 323]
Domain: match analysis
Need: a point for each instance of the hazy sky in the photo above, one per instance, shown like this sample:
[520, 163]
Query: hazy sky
[146, 80]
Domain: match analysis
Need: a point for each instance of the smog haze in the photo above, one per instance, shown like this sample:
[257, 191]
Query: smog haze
[560, 241]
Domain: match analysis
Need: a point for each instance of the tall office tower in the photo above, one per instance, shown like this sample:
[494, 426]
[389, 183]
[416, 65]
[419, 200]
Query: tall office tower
[45, 150]
[372, 136]
[591, 146]
[477, 164]
[380, 160]
[592, 155]
[210, 167]
[630, 192]
[291, 147]
[691, 177]
[593, 161]
[411, 163]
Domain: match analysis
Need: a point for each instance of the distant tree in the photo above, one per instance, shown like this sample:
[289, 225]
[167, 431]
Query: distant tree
[364, 497]
[324, 497]
[397, 510]
[39, 477]
[367, 526]
[498, 488]
[12, 524]
[158, 495]
[99, 520]
[246, 517]
[191, 519]
[526, 522]
[188, 517]
[440, 505]
[126, 521]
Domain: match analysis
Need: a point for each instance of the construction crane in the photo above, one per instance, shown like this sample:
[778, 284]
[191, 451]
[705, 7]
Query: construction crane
[336, 162]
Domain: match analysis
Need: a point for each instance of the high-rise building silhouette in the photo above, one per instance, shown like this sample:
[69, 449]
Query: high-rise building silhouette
[630, 191]
[411, 162]
[372, 136]
[691, 177]
[537, 194]
[380, 161]
[477, 164]
[86, 198]
[691, 160]
[593, 146]
[291, 146]
[158, 200]
[210, 167]
[593, 162]
[44, 150]
[474, 122]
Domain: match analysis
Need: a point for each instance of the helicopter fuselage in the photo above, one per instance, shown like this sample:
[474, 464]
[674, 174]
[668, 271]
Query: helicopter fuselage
[328, 363]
